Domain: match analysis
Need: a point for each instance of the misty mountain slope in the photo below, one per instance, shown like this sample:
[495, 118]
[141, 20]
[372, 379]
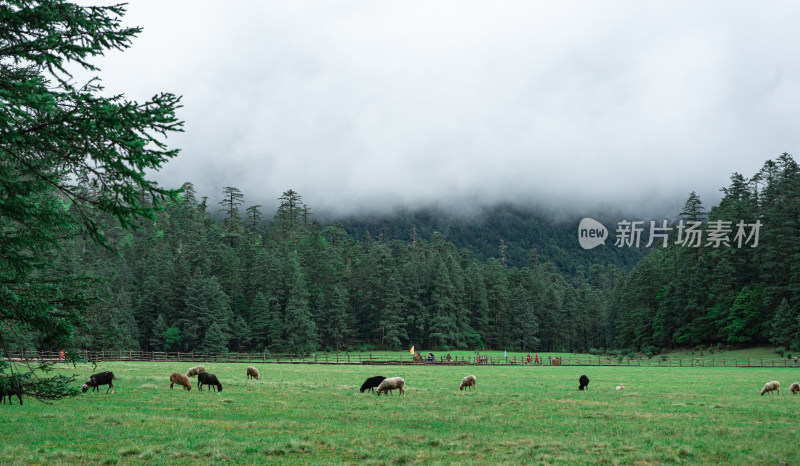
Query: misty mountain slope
[520, 230]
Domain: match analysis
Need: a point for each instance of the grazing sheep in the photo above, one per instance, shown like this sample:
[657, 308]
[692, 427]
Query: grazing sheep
[584, 383]
[96, 380]
[204, 378]
[390, 384]
[371, 383]
[252, 372]
[770, 387]
[195, 370]
[794, 388]
[620, 387]
[180, 379]
[468, 381]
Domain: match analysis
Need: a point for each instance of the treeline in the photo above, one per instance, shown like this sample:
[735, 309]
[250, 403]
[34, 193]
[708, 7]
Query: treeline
[187, 282]
[683, 295]
[216, 278]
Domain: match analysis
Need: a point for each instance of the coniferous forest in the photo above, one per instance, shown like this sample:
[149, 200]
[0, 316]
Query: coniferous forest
[224, 276]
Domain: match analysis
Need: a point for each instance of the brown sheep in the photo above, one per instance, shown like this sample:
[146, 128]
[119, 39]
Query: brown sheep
[179, 379]
[794, 388]
[468, 381]
[252, 372]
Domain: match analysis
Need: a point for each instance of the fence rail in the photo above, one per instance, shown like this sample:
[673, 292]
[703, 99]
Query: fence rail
[368, 358]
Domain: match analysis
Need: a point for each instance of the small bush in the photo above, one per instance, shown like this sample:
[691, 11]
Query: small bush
[780, 350]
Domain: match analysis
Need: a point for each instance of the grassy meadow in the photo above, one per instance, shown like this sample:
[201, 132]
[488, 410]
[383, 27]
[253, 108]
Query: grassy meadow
[315, 414]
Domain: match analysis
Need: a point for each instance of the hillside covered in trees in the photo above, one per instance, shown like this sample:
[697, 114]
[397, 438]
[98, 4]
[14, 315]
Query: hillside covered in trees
[289, 283]
[505, 231]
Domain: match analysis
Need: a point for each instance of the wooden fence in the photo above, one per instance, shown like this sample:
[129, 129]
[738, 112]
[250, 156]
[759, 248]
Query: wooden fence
[394, 359]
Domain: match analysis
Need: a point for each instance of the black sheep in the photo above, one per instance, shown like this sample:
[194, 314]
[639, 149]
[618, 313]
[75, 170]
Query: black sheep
[96, 380]
[372, 383]
[204, 378]
[10, 387]
[584, 383]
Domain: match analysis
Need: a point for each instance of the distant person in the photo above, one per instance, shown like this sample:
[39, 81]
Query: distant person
[529, 358]
[448, 357]
[795, 361]
[536, 361]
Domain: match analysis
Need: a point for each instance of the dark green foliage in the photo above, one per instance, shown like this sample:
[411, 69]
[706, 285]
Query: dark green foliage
[73, 166]
[784, 329]
[215, 341]
[517, 230]
[742, 294]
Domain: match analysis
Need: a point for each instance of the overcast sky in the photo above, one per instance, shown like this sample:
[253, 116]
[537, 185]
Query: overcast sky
[368, 105]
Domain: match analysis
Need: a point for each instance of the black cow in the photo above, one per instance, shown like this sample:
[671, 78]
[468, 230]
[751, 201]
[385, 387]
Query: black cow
[372, 383]
[584, 383]
[96, 380]
[204, 378]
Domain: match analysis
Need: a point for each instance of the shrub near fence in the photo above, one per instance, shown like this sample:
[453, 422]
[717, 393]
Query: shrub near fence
[394, 358]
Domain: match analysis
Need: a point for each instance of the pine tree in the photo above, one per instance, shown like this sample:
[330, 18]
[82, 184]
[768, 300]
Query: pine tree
[232, 199]
[253, 217]
[338, 326]
[157, 338]
[215, 341]
[291, 216]
[300, 330]
[393, 317]
[524, 329]
[693, 209]
[443, 325]
[784, 325]
[259, 321]
[240, 335]
[277, 325]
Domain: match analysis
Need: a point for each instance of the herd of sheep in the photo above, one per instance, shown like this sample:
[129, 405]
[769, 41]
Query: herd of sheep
[203, 378]
[775, 386]
[378, 384]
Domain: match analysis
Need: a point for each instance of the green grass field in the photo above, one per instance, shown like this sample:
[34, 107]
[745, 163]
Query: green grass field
[315, 414]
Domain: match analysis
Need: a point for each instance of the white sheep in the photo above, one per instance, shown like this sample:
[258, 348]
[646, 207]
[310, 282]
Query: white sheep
[468, 381]
[195, 370]
[392, 383]
[769, 387]
[620, 387]
[794, 388]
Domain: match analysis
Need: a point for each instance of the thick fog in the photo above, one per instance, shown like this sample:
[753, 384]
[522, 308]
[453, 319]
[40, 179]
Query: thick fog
[364, 106]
